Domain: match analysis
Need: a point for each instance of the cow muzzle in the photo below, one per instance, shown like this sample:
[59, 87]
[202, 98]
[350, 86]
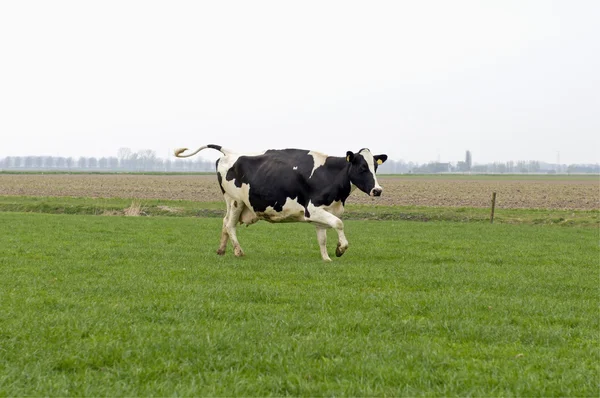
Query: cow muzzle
[376, 192]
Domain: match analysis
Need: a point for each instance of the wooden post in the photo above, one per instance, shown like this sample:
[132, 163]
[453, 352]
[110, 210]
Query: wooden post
[493, 207]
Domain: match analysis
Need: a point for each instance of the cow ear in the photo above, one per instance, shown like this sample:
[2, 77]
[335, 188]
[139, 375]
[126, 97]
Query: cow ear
[379, 159]
[349, 156]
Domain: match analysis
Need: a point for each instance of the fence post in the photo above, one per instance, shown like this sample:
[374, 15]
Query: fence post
[493, 207]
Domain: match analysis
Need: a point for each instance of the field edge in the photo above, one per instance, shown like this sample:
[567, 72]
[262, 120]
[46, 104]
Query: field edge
[182, 208]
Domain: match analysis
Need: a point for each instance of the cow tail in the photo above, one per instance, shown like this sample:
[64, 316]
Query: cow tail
[179, 151]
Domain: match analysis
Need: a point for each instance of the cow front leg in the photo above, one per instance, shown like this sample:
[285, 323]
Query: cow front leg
[328, 220]
[322, 239]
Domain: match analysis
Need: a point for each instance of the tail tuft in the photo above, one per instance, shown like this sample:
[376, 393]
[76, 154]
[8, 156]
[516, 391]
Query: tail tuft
[179, 151]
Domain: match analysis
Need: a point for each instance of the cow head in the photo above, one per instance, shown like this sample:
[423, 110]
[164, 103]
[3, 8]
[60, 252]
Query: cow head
[363, 166]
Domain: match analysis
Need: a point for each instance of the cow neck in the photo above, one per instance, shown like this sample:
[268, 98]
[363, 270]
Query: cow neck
[339, 187]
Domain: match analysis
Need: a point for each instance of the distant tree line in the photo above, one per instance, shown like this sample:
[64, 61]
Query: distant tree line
[511, 167]
[146, 160]
[126, 160]
[467, 166]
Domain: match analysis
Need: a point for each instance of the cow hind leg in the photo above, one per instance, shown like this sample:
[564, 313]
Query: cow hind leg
[322, 239]
[235, 210]
[224, 233]
[224, 238]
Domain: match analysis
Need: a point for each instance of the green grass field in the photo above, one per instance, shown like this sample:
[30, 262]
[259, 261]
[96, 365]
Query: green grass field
[142, 306]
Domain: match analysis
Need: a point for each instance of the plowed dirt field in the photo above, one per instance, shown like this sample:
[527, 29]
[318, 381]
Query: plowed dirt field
[447, 191]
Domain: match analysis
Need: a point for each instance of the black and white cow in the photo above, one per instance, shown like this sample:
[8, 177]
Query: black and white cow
[291, 185]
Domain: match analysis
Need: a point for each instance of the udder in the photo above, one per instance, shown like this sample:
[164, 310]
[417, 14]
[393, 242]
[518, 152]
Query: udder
[248, 217]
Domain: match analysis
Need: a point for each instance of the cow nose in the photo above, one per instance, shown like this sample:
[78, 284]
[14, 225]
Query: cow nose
[376, 192]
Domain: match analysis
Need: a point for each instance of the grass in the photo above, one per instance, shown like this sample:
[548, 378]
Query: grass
[180, 208]
[109, 206]
[140, 306]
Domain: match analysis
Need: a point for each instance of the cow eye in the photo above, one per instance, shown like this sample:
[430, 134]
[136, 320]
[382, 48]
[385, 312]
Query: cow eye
[364, 168]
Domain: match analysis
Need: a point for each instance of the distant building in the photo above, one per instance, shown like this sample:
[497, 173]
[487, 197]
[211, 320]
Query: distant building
[468, 160]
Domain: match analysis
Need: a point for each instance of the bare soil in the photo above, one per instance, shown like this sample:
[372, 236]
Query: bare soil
[544, 193]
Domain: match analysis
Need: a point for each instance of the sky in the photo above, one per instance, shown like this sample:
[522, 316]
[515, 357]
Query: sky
[416, 80]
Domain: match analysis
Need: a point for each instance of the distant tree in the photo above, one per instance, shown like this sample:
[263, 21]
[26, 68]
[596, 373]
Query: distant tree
[158, 164]
[133, 162]
[113, 163]
[81, 163]
[37, 162]
[103, 163]
[48, 162]
[179, 165]
[510, 166]
[69, 162]
[124, 155]
[533, 166]
[201, 165]
[479, 168]
[92, 163]
[28, 162]
[60, 163]
[583, 168]
[146, 158]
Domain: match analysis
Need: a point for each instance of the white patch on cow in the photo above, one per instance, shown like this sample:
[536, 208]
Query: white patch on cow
[291, 211]
[318, 160]
[295, 167]
[371, 163]
[336, 208]
[240, 194]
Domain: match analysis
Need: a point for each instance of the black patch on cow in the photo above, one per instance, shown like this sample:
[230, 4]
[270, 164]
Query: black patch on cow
[235, 203]
[306, 213]
[272, 180]
[330, 182]
[219, 177]
[217, 147]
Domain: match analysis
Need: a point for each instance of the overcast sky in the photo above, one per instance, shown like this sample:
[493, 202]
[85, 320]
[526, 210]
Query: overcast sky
[418, 80]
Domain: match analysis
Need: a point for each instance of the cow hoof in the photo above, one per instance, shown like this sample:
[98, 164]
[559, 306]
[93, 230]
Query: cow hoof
[221, 252]
[327, 259]
[239, 252]
[339, 250]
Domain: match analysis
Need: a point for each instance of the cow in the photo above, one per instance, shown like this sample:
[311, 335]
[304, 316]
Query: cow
[291, 185]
